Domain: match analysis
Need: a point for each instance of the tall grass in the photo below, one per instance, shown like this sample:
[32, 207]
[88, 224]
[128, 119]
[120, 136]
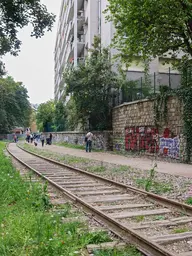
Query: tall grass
[28, 226]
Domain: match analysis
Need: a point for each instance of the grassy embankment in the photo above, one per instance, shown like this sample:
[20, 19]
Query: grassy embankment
[29, 226]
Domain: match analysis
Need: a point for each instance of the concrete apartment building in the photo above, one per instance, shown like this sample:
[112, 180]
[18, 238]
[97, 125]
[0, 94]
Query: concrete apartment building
[79, 22]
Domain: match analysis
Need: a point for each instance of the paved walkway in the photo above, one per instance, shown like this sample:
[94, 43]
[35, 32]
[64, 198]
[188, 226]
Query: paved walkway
[135, 162]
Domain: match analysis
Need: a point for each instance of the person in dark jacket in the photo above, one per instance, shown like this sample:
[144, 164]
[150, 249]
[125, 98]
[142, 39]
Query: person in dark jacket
[42, 138]
[50, 138]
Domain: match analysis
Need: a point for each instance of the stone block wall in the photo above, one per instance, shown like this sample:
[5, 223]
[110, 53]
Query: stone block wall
[134, 129]
[102, 140]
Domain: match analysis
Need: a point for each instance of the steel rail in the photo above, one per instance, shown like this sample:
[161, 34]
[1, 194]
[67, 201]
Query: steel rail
[161, 200]
[129, 235]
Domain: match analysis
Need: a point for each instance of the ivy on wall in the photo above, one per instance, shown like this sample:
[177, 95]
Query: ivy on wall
[185, 95]
[161, 113]
[160, 106]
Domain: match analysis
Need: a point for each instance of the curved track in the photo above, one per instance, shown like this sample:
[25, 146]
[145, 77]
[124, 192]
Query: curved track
[150, 222]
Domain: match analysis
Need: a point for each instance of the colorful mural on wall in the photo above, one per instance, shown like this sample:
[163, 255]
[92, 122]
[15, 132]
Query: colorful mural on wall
[149, 140]
[142, 138]
[170, 147]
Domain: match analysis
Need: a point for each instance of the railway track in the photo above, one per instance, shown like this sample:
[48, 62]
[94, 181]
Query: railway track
[155, 225]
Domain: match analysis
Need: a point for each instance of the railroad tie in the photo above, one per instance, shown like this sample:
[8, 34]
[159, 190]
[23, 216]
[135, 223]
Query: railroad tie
[185, 254]
[101, 192]
[167, 239]
[109, 198]
[139, 213]
[107, 245]
[122, 206]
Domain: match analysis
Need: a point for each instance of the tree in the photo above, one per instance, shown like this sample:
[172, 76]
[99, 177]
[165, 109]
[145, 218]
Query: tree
[150, 28]
[16, 15]
[15, 108]
[45, 116]
[92, 86]
[72, 115]
[60, 117]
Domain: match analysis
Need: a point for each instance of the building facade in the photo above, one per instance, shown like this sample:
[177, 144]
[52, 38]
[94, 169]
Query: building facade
[79, 22]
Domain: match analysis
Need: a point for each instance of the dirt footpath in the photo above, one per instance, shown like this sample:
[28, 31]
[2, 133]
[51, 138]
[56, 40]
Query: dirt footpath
[135, 162]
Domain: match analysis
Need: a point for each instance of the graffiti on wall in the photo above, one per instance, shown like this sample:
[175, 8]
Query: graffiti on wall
[170, 147]
[148, 139]
[142, 138]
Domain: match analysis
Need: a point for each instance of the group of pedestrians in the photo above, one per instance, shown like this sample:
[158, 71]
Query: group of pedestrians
[30, 137]
[36, 138]
[47, 138]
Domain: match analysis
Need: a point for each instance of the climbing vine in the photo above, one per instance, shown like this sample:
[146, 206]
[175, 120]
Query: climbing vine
[185, 96]
[160, 106]
[161, 111]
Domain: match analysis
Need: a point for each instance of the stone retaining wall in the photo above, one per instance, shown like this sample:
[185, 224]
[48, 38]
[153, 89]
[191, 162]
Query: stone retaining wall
[134, 129]
[102, 140]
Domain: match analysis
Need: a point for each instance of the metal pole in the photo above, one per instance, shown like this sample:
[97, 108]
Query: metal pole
[169, 77]
[154, 83]
[141, 87]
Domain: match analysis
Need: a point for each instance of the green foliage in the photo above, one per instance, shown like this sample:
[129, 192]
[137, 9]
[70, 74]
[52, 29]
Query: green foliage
[189, 201]
[72, 114]
[185, 94]
[160, 106]
[159, 217]
[16, 15]
[68, 145]
[27, 228]
[139, 218]
[73, 160]
[139, 30]
[149, 184]
[155, 187]
[45, 115]
[15, 107]
[122, 168]
[127, 251]
[90, 83]
[97, 237]
[60, 117]
[149, 181]
[180, 230]
[129, 90]
[97, 169]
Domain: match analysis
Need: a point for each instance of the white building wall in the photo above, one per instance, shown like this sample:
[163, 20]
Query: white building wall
[93, 22]
[106, 27]
[68, 47]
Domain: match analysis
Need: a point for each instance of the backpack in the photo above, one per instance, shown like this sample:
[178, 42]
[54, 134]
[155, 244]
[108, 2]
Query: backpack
[85, 139]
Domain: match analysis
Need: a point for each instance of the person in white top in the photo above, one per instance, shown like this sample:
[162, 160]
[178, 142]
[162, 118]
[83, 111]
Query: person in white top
[88, 140]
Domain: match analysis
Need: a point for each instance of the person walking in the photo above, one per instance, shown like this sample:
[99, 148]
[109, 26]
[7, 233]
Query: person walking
[42, 138]
[28, 136]
[50, 138]
[15, 138]
[31, 137]
[47, 139]
[88, 140]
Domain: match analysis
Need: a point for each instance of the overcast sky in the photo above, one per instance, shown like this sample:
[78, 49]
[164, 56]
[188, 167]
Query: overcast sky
[35, 64]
